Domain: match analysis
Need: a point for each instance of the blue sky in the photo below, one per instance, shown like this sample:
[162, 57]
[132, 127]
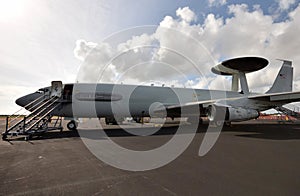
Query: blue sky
[147, 12]
[39, 37]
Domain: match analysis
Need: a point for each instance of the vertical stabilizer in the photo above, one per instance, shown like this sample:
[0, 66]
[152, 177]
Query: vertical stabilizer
[284, 79]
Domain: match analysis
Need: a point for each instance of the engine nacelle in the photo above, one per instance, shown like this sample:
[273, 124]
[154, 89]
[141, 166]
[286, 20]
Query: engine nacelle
[231, 114]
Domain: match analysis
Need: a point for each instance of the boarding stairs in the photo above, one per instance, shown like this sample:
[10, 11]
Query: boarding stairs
[40, 120]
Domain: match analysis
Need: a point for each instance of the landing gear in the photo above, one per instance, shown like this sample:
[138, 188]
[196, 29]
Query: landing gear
[72, 125]
[228, 124]
[137, 119]
[112, 121]
[218, 123]
[28, 137]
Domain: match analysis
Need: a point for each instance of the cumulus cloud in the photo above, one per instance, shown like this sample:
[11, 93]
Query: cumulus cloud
[285, 4]
[83, 48]
[182, 51]
[186, 14]
[212, 3]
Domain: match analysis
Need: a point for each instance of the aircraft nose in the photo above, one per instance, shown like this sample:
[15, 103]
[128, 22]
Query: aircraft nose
[22, 101]
[25, 100]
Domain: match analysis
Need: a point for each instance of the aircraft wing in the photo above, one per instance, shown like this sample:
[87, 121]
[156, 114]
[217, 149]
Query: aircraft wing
[286, 97]
[282, 98]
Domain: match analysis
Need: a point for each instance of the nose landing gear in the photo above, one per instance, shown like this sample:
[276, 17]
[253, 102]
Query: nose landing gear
[72, 125]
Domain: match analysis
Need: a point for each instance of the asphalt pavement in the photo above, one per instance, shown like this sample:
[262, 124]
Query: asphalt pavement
[247, 159]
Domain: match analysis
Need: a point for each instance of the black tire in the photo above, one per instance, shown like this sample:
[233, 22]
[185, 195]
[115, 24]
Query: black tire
[4, 137]
[137, 119]
[219, 123]
[227, 124]
[200, 121]
[112, 121]
[72, 125]
[106, 121]
[28, 137]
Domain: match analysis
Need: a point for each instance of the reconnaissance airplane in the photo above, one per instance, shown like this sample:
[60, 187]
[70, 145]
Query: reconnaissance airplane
[117, 101]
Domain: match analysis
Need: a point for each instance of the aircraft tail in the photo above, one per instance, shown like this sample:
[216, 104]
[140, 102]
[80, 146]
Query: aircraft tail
[284, 80]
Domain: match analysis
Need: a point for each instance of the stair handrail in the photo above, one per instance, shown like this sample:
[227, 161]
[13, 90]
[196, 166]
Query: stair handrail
[35, 104]
[19, 122]
[42, 110]
[43, 117]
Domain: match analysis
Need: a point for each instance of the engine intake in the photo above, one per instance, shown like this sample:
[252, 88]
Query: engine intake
[231, 114]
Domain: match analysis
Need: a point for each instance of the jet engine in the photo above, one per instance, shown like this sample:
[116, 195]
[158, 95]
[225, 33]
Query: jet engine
[231, 114]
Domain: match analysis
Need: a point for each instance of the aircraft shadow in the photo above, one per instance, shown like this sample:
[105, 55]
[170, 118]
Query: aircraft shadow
[266, 131]
[58, 134]
[256, 131]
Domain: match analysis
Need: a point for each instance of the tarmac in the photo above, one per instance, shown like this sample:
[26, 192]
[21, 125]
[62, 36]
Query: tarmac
[247, 159]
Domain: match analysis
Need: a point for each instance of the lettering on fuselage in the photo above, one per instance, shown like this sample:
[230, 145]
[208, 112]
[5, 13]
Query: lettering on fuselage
[98, 96]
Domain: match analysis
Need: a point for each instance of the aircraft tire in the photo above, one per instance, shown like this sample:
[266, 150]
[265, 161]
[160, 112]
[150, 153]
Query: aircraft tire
[28, 137]
[112, 121]
[4, 137]
[72, 125]
[227, 124]
[219, 123]
[137, 119]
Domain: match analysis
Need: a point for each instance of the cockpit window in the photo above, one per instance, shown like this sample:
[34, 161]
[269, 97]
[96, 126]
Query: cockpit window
[42, 90]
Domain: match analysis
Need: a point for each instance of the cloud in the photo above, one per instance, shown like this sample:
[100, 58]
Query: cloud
[183, 51]
[95, 58]
[161, 55]
[285, 4]
[83, 48]
[212, 3]
[186, 14]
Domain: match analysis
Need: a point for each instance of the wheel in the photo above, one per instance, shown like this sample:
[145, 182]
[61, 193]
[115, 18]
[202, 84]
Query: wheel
[28, 137]
[137, 119]
[106, 121]
[228, 124]
[72, 125]
[219, 123]
[112, 121]
[4, 137]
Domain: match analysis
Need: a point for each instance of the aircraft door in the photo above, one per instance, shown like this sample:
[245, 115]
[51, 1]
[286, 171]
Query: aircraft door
[67, 92]
[56, 89]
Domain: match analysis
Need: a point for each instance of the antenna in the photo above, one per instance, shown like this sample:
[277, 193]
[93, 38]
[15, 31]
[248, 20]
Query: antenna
[238, 68]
